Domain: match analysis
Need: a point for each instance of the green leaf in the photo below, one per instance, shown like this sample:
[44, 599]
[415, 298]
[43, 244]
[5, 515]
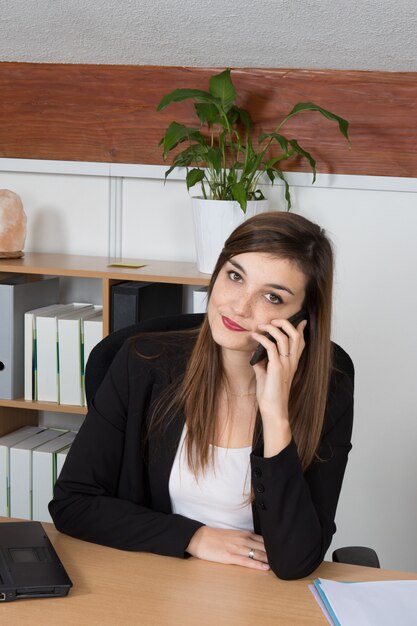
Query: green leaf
[310, 106]
[214, 158]
[207, 113]
[168, 171]
[287, 187]
[221, 87]
[280, 139]
[244, 118]
[252, 164]
[299, 150]
[193, 177]
[232, 176]
[233, 116]
[239, 194]
[181, 160]
[271, 174]
[178, 95]
[236, 115]
[272, 162]
[177, 133]
[192, 154]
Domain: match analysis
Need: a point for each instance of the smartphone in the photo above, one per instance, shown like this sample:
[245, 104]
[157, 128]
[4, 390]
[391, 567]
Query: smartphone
[260, 352]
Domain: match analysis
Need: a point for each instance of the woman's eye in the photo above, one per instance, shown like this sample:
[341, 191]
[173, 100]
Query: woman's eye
[234, 276]
[273, 298]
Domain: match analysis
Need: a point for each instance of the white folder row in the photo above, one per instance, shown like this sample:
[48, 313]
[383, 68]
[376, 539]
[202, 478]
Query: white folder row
[6, 442]
[31, 352]
[31, 459]
[58, 341]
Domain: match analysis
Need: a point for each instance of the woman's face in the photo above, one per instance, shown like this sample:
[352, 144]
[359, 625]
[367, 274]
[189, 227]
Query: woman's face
[251, 289]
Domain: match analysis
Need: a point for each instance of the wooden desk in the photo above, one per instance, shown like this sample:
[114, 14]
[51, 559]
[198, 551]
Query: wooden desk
[116, 588]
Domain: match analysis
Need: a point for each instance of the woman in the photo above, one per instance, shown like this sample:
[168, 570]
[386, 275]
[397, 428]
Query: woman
[188, 449]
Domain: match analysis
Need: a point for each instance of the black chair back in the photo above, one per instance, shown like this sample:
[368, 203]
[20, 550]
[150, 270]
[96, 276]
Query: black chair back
[104, 352]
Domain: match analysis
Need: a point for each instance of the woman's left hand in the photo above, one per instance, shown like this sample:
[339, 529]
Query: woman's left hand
[274, 375]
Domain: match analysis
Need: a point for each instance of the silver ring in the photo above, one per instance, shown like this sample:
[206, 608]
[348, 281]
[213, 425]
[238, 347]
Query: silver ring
[251, 553]
[289, 354]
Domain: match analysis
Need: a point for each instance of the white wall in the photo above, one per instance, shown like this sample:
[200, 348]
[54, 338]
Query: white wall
[364, 35]
[373, 224]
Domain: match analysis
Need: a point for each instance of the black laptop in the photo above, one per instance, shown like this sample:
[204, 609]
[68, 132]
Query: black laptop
[29, 565]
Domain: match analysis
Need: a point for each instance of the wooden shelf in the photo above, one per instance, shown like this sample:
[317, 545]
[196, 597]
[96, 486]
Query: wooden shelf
[88, 267]
[21, 403]
[100, 267]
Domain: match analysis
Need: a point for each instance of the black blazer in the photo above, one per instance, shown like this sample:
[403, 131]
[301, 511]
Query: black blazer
[113, 488]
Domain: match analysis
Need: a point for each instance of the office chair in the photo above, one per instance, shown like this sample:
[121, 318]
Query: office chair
[103, 354]
[356, 555]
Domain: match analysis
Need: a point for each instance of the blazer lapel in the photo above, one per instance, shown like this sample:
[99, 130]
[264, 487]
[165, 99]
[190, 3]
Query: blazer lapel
[161, 454]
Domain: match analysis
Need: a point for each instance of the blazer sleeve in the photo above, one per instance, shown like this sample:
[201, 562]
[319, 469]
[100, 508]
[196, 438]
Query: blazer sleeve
[101, 494]
[296, 510]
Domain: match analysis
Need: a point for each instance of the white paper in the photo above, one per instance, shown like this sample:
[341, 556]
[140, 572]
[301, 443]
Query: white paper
[379, 603]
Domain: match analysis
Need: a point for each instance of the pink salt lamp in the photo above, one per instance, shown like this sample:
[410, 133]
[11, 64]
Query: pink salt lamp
[12, 225]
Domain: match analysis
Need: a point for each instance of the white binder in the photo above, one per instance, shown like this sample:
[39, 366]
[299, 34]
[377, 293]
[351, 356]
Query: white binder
[200, 300]
[30, 369]
[21, 472]
[60, 459]
[17, 295]
[92, 334]
[47, 352]
[70, 351]
[44, 473]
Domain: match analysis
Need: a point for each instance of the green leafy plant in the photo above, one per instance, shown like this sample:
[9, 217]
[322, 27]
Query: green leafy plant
[224, 158]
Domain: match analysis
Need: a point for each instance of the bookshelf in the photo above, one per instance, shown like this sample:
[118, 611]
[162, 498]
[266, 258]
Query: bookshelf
[18, 412]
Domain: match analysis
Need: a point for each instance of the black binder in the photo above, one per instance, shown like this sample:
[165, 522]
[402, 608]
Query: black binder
[133, 302]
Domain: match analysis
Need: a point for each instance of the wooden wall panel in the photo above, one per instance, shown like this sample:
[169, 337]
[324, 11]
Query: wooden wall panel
[108, 113]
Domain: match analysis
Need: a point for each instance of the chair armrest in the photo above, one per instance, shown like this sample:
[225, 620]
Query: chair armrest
[356, 555]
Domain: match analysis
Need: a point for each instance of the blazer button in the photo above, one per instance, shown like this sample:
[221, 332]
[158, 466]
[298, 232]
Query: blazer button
[262, 506]
[257, 472]
[260, 488]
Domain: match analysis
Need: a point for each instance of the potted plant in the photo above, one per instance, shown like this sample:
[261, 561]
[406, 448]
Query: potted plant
[222, 156]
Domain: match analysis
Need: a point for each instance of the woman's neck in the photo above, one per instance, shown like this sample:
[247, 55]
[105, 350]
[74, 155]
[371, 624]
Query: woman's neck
[239, 377]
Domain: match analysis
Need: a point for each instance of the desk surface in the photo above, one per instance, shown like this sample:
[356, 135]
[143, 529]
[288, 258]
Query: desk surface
[116, 588]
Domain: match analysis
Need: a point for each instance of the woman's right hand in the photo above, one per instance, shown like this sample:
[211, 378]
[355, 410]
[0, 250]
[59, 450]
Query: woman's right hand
[229, 546]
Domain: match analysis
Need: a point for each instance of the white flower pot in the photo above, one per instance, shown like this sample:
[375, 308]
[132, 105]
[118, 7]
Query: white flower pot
[214, 220]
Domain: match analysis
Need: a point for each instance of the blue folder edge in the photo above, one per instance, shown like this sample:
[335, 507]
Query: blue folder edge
[323, 598]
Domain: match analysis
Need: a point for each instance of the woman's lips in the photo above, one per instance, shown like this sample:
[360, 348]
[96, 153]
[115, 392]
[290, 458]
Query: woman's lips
[231, 325]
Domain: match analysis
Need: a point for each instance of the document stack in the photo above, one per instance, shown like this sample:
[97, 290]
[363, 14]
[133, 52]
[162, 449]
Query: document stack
[376, 603]
[54, 351]
[29, 460]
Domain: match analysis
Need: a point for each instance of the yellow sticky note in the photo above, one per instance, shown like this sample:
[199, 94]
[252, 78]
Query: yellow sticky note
[133, 265]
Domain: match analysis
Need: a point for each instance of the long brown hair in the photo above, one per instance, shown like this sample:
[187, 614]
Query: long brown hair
[294, 238]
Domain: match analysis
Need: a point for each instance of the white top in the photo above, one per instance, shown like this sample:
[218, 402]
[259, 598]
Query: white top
[220, 497]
